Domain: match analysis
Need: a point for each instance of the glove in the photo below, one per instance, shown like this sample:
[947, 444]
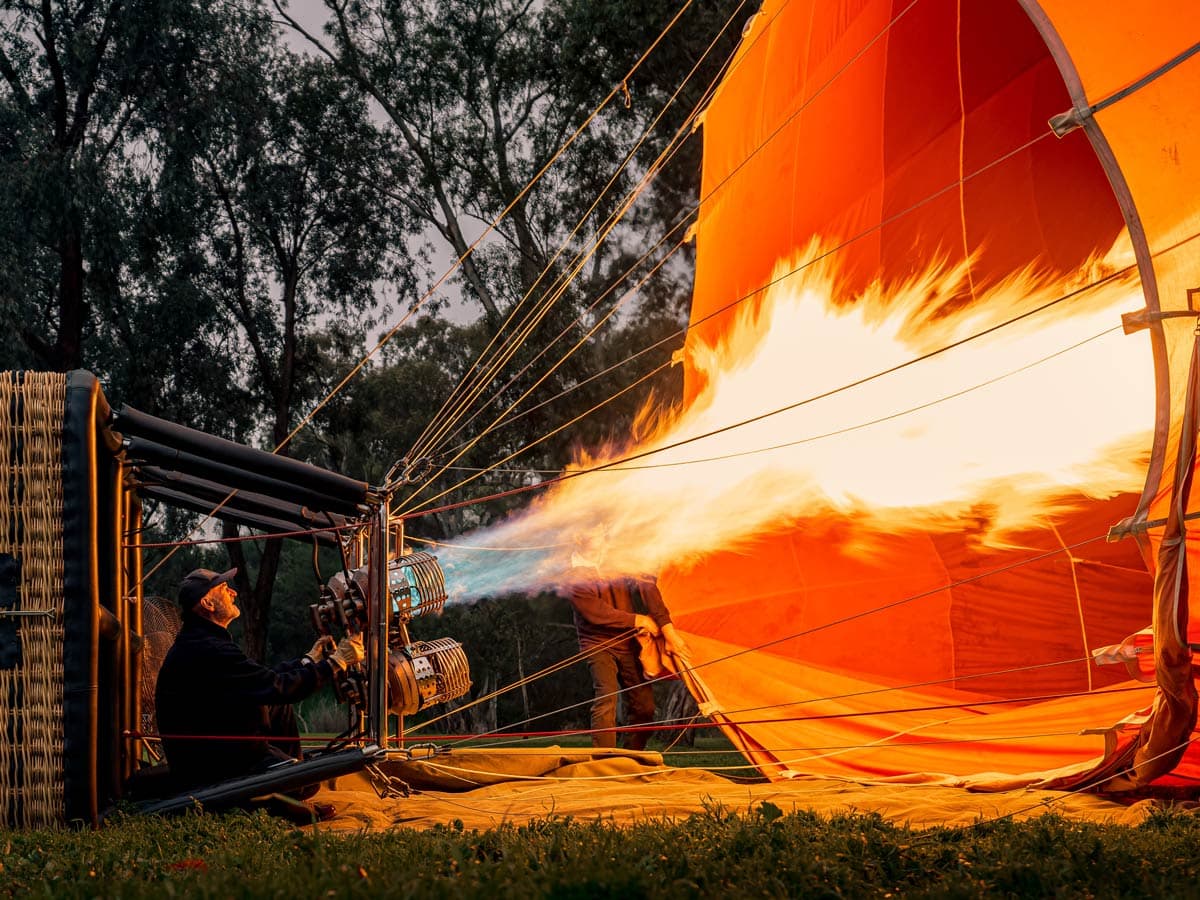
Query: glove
[675, 643]
[349, 652]
[321, 649]
[645, 623]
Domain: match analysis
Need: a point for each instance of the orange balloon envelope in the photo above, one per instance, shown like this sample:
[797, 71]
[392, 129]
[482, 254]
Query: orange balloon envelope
[1007, 138]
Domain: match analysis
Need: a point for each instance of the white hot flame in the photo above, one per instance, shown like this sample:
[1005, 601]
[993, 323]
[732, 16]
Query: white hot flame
[1058, 403]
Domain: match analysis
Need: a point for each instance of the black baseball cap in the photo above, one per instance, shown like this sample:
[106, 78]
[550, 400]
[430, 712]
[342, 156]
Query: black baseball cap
[199, 582]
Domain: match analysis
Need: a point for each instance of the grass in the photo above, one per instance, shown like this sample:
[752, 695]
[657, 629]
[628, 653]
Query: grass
[324, 717]
[765, 853]
[712, 751]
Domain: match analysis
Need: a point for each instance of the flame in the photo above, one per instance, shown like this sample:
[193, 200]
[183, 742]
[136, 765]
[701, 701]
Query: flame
[816, 402]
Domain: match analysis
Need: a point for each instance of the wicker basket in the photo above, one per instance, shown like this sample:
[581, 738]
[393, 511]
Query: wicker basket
[55, 478]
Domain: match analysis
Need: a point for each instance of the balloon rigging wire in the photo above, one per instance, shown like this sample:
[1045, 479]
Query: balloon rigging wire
[837, 432]
[596, 327]
[387, 337]
[890, 741]
[619, 461]
[673, 146]
[543, 673]
[807, 263]
[444, 431]
[466, 445]
[894, 604]
[564, 392]
[710, 90]
[474, 380]
[818, 92]
[404, 514]
[644, 350]
[421, 511]
[674, 724]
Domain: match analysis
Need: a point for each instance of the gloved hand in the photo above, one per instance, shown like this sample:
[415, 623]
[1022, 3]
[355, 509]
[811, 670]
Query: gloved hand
[675, 643]
[321, 649]
[349, 652]
[645, 623]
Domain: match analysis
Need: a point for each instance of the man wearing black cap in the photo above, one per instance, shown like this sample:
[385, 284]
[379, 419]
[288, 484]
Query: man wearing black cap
[222, 714]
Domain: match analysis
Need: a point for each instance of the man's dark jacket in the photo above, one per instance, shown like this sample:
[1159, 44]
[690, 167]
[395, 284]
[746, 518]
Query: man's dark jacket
[605, 607]
[208, 687]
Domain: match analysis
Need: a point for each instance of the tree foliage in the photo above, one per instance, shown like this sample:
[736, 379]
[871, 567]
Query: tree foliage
[218, 225]
[526, 115]
[75, 73]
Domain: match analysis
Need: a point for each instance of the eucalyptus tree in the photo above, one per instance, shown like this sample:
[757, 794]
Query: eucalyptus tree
[72, 75]
[98, 265]
[296, 240]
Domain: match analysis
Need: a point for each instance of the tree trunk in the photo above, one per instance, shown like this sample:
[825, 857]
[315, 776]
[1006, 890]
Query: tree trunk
[254, 599]
[482, 717]
[521, 678]
[68, 345]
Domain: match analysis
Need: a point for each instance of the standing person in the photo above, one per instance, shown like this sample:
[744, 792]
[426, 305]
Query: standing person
[606, 621]
[221, 714]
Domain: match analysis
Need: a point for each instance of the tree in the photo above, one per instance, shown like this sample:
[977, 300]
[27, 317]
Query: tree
[483, 96]
[479, 99]
[74, 73]
[296, 237]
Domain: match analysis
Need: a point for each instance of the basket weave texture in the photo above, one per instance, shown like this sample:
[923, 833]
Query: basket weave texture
[32, 409]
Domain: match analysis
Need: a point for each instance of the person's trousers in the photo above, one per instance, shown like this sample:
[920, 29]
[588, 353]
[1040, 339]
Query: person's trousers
[284, 729]
[284, 745]
[616, 670]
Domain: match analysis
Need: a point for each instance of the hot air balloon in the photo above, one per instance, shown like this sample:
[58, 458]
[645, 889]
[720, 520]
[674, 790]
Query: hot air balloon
[1016, 144]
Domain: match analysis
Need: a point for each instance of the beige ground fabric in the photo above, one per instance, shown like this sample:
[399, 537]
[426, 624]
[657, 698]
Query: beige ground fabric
[486, 789]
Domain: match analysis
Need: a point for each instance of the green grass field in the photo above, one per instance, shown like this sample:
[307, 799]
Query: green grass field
[715, 854]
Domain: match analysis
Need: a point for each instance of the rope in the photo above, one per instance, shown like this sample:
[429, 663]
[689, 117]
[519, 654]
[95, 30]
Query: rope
[499, 392]
[612, 93]
[790, 273]
[466, 448]
[619, 461]
[568, 390]
[513, 343]
[889, 417]
[684, 724]
[779, 129]
[543, 673]
[833, 623]
[545, 437]
[424, 444]
[445, 275]
[728, 751]
[836, 432]
[709, 90]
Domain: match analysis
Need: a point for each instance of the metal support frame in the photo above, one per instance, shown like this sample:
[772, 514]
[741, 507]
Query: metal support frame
[133, 560]
[377, 619]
